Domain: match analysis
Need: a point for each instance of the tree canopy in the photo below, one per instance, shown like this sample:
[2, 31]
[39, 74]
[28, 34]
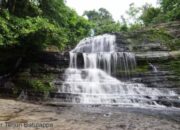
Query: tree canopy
[168, 11]
[103, 21]
[40, 23]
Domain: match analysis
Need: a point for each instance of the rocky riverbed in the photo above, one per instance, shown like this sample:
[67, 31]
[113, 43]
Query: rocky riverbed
[17, 115]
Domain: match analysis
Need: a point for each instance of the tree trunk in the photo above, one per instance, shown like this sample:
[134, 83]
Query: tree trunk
[11, 4]
[14, 6]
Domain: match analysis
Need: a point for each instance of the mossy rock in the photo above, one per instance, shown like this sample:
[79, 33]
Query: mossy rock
[173, 66]
[151, 35]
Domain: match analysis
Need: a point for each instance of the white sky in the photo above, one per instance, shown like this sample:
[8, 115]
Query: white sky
[115, 7]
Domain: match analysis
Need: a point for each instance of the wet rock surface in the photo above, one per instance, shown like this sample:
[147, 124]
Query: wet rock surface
[83, 117]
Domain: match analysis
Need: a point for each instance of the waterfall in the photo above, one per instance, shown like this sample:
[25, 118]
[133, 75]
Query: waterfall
[93, 83]
[92, 32]
[154, 69]
[100, 52]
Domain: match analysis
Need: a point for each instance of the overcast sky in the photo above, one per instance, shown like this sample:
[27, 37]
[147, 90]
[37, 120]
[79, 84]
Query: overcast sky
[115, 7]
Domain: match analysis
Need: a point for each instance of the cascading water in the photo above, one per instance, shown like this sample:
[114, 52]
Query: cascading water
[93, 83]
[154, 69]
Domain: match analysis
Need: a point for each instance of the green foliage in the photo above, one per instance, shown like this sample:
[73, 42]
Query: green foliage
[39, 33]
[133, 13]
[33, 84]
[7, 36]
[76, 27]
[31, 79]
[39, 86]
[168, 11]
[103, 21]
[36, 24]
[56, 11]
[108, 28]
[171, 9]
[152, 35]
[33, 32]
[124, 28]
[159, 35]
[174, 66]
[26, 8]
[98, 16]
[174, 44]
[135, 27]
[22, 8]
[142, 69]
[150, 15]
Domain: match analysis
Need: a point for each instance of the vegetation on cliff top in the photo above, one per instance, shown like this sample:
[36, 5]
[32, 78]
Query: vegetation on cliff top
[38, 24]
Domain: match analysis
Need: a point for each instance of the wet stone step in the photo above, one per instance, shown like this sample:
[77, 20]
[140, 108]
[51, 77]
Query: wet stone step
[172, 101]
[159, 73]
[169, 103]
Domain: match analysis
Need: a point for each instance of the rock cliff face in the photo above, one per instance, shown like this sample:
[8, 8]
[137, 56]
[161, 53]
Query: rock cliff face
[157, 52]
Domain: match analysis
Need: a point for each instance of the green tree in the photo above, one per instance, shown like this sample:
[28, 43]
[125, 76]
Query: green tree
[133, 13]
[171, 9]
[149, 14]
[103, 21]
[168, 11]
[49, 22]
[22, 8]
[76, 27]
